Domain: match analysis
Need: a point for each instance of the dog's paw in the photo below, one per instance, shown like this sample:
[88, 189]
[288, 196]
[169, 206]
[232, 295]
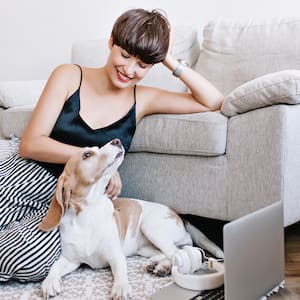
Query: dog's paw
[160, 268]
[163, 268]
[51, 287]
[121, 291]
[150, 266]
[159, 265]
[153, 262]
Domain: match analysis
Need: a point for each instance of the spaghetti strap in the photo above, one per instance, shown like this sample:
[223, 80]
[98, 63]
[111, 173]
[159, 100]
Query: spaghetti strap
[134, 93]
[80, 75]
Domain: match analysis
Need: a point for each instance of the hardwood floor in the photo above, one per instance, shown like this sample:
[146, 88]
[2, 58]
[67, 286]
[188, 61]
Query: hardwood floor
[292, 258]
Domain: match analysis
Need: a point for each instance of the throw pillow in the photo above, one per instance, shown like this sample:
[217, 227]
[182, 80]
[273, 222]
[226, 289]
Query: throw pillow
[20, 92]
[274, 88]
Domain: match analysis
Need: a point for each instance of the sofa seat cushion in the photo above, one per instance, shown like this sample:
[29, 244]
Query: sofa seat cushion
[188, 134]
[14, 120]
[8, 147]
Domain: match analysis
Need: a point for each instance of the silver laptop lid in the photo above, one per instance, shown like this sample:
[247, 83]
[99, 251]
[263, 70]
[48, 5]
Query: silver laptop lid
[254, 253]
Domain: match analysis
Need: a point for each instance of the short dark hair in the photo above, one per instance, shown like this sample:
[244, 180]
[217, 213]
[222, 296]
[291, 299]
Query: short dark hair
[144, 34]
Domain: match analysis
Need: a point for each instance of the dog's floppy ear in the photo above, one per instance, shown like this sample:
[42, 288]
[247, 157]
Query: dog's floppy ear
[59, 202]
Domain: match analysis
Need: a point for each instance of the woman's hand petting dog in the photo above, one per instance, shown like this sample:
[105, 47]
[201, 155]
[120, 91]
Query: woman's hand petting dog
[114, 186]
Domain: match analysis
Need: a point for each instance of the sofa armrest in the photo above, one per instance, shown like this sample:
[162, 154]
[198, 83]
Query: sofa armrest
[263, 151]
[281, 87]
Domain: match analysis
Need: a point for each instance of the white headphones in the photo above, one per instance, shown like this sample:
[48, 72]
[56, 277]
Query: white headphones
[189, 259]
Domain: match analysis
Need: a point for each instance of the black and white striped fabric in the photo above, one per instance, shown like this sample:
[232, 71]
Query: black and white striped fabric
[26, 189]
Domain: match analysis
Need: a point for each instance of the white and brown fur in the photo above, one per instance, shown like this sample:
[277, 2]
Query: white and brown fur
[100, 232]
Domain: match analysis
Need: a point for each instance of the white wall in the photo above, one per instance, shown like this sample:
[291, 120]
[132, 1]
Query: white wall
[36, 35]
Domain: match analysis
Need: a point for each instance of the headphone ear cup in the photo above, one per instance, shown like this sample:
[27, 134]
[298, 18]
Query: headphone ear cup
[182, 261]
[195, 258]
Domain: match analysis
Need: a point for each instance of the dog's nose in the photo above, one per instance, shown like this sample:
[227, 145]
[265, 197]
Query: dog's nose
[116, 142]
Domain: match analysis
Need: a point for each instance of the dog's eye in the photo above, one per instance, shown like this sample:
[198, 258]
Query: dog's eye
[87, 154]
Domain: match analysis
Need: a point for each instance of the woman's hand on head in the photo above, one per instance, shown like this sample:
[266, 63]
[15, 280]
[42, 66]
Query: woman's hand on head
[114, 186]
[169, 56]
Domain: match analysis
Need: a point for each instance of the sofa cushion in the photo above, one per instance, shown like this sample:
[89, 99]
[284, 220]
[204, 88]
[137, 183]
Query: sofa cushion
[14, 120]
[274, 88]
[20, 92]
[189, 134]
[8, 147]
[233, 53]
[192, 134]
[94, 53]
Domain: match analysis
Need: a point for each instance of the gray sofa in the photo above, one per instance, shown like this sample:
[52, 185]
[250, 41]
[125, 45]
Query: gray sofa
[216, 164]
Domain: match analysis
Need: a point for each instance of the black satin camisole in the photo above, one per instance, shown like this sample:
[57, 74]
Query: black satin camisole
[71, 129]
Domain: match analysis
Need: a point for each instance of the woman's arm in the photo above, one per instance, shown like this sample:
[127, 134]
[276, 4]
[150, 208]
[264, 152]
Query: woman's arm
[202, 95]
[35, 142]
[201, 89]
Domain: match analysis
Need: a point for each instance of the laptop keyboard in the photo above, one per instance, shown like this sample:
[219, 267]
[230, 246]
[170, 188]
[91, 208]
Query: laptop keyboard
[215, 294]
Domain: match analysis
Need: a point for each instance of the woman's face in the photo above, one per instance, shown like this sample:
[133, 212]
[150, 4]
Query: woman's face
[124, 69]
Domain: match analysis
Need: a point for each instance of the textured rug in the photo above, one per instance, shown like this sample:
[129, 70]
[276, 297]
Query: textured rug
[88, 284]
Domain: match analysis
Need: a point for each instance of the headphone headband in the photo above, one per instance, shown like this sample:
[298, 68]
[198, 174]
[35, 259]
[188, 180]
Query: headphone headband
[189, 259]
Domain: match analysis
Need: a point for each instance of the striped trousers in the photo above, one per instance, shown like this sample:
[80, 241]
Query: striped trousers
[26, 189]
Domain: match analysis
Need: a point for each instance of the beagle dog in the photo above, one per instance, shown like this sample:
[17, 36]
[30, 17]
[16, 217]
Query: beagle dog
[101, 232]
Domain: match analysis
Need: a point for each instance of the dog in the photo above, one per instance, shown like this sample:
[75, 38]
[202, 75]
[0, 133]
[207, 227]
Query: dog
[101, 232]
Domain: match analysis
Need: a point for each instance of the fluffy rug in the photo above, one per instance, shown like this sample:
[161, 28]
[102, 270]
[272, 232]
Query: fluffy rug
[85, 283]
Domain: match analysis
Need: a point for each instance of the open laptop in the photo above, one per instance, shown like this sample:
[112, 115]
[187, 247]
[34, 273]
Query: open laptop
[254, 259]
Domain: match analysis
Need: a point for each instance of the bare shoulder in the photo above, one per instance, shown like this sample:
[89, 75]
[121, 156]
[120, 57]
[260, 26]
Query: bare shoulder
[67, 69]
[144, 100]
[65, 75]
[63, 81]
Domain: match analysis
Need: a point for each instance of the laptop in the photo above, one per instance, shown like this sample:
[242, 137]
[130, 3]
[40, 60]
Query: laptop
[254, 259]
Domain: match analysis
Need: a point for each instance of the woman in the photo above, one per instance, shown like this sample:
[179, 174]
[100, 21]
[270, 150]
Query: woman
[84, 107]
